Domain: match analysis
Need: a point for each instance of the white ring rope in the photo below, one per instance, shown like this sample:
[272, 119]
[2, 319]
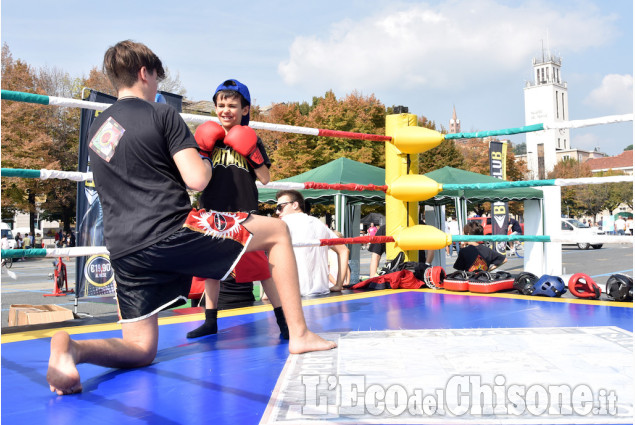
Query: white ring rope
[610, 119]
[69, 175]
[281, 185]
[59, 101]
[81, 251]
[79, 176]
[593, 180]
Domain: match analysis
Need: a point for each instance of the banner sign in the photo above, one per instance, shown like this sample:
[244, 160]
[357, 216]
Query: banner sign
[94, 275]
[500, 210]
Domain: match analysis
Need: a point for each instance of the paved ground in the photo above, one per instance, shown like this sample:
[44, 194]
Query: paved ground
[32, 281]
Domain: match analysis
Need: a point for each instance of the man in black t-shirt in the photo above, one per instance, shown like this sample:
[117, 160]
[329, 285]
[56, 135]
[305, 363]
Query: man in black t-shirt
[514, 227]
[143, 158]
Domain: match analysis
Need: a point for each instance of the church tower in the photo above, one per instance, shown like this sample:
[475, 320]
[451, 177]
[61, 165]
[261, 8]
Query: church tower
[546, 101]
[455, 123]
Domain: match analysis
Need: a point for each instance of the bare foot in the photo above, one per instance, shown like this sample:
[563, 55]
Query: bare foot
[309, 342]
[62, 374]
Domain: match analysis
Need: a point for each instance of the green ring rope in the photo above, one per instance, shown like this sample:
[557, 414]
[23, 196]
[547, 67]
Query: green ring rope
[20, 172]
[25, 97]
[505, 131]
[19, 253]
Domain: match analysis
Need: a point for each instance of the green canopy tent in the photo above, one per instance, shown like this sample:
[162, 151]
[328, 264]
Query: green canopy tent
[347, 208]
[460, 198]
[624, 214]
[339, 171]
[449, 175]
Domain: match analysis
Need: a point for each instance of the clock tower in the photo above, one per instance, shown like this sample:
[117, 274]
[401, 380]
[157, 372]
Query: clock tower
[546, 101]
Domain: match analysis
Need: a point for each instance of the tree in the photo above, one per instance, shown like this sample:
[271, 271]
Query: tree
[97, 80]
[63, 123]
[26, 142]
[172, 83]
[618, 193]
[520, 148]
[295, 153]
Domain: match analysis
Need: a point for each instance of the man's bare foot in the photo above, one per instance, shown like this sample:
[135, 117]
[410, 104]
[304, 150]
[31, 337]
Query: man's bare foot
[309, 342]
[62, 374]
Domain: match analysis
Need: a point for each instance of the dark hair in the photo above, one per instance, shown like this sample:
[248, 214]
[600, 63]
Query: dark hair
[231, 94]
[473, 228]
[123, 61]
[294, 195]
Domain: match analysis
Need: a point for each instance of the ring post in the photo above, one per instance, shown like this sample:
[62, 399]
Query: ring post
[399, 214]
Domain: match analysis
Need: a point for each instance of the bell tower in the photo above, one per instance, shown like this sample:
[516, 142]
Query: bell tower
[546, 101]
[455, 123]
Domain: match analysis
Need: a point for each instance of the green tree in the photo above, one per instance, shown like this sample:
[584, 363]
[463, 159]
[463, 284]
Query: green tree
[63, 124]
[578, 200]
[292, 154]
[617, 193]
[26, 139]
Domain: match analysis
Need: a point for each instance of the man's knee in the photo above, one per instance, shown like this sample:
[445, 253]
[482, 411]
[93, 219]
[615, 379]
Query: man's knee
[145, 354]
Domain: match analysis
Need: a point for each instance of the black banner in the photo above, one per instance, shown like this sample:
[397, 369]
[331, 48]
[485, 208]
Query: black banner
[174, 100]
[94, 275]
[500, 210]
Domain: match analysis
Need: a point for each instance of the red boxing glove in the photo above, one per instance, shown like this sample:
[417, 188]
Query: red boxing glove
[243, 140]
[207, 134]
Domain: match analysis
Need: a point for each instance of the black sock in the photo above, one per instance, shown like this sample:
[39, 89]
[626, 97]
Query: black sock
[282, 322]
[208, 327]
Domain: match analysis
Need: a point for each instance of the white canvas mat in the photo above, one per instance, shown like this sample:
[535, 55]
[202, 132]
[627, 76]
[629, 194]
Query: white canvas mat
[499, 376]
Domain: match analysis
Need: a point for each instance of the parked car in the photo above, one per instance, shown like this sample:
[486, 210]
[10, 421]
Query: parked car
[573, 227]
[486, 222]
[7, 233]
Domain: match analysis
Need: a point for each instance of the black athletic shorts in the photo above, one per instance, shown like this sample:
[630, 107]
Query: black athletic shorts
[160, 276]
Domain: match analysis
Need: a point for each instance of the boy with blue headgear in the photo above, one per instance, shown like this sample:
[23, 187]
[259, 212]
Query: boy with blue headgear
[239, 159]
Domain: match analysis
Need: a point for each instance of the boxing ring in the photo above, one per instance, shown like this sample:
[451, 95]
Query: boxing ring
[404, 356]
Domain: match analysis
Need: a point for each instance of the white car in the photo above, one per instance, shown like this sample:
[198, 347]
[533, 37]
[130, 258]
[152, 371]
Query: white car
[572, 227]
[7, 233]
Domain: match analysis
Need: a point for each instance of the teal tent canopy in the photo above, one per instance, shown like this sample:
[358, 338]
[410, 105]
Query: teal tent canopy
[344, 170]
[339, 171]
[449, 175]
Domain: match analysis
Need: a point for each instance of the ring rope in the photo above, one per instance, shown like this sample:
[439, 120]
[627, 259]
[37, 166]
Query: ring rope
[98, 250]
[78, 176]
[77, 103]
[45, 174]
[538, 183]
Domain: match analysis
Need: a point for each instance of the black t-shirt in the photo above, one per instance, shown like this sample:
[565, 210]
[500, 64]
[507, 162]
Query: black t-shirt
[515, 225]
[378, 248]
[233, 185]
[142, 193]
[480, 257]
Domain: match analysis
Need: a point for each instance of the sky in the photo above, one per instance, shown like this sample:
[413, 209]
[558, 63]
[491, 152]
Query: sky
[431, 56]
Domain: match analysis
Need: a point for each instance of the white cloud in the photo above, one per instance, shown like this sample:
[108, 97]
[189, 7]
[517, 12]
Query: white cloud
[615, 94]
[450, 45]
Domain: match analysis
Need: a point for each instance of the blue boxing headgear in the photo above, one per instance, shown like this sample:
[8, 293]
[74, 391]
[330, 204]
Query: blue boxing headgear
[159, 98]
[239, 87]
[549, 286]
